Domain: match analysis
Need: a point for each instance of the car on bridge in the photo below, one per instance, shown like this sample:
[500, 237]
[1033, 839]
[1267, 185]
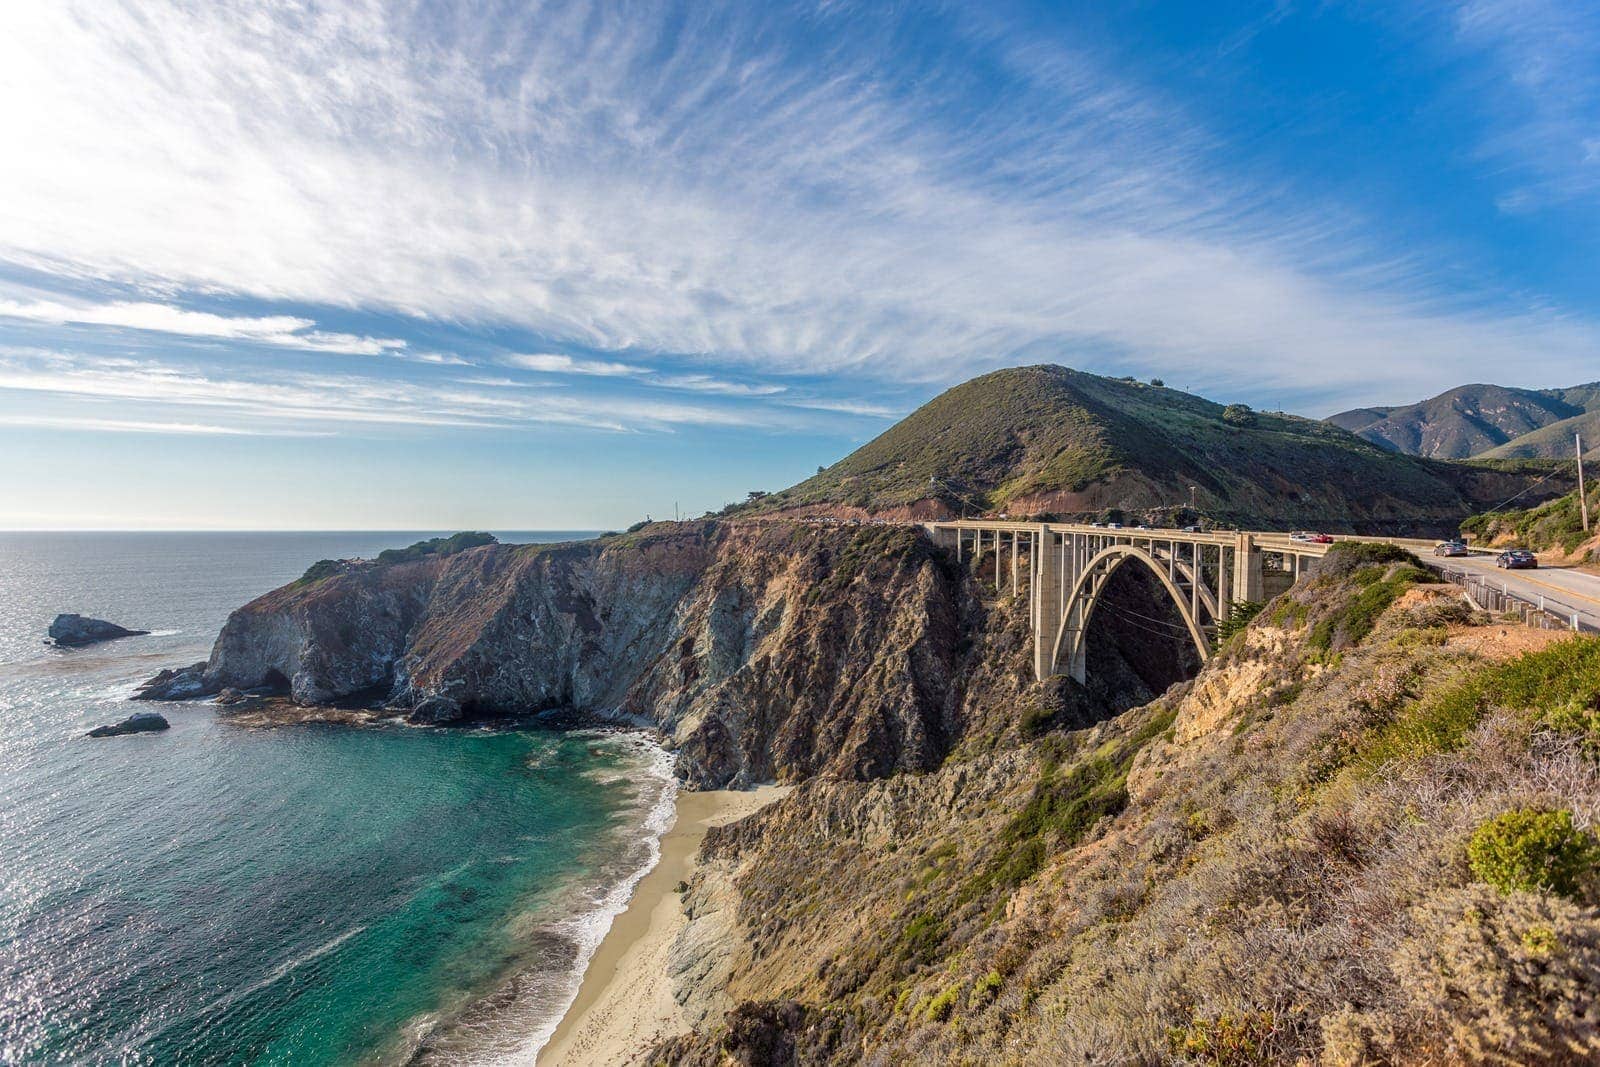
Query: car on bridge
[1450, 548]
[1517, 559]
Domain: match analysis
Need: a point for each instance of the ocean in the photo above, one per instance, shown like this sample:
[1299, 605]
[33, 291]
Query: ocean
[312, 894]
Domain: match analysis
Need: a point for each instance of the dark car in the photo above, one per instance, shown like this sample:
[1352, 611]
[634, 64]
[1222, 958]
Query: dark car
[1450, 548]
[1517, 559]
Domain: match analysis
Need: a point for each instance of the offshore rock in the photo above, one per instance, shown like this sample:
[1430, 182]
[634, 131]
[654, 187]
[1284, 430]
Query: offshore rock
[75, 631]
[141, 722]
[182, 683]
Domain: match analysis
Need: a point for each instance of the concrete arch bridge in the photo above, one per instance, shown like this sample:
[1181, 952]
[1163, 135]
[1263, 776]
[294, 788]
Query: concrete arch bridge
[1065, 568]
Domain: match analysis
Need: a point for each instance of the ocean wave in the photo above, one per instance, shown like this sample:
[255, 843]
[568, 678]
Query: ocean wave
[525, 1021]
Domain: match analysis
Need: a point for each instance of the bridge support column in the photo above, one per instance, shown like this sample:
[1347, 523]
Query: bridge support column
[1013, 563]
[1046, 589]
[1247, 566]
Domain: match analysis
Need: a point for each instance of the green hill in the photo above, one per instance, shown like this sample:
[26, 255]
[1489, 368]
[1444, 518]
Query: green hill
[1051, 440]
[1480, 420]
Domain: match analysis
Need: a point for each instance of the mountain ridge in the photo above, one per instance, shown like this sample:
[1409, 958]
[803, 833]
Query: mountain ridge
[1481, 420]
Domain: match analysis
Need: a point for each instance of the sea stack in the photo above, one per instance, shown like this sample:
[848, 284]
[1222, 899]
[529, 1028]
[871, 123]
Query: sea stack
[140, 722]
[75, 631]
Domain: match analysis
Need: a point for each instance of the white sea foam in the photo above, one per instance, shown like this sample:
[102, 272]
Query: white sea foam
[521, 1034]
[589, 928]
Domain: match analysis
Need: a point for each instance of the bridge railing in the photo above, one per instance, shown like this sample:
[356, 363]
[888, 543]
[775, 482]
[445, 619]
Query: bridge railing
[1543, 612]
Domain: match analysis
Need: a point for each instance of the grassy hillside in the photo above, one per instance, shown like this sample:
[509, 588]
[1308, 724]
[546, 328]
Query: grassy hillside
[1555, 524]
[1480, 420]
[1554, 441]
[1048, 439]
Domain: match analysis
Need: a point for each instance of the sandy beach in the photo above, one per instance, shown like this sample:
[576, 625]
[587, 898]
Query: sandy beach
[625, 1002]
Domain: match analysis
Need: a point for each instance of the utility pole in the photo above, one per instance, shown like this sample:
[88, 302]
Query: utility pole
[1583, 501]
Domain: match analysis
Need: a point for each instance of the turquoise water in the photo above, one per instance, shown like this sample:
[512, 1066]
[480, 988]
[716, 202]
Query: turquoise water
[307, 894]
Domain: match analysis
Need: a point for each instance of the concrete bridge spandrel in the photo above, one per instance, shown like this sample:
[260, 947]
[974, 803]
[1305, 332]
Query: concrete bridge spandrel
[1068, 565]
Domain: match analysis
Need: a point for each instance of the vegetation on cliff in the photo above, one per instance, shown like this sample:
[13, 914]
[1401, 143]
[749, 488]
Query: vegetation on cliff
[1555, 524]
[1364, 833]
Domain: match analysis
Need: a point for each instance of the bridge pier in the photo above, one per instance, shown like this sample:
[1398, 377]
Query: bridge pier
[1046, 592]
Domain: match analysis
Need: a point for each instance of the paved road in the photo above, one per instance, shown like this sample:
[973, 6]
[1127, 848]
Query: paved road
[1564, 589]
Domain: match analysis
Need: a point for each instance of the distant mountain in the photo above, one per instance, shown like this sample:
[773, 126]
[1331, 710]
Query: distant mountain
[1478, 420]
[1051, 440]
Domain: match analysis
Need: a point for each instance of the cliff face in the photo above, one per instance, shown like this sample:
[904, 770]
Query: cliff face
[770, 651]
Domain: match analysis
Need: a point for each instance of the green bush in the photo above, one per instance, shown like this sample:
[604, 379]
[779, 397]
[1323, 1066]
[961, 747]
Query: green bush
[940, 1007]
[920, 940]
[1240, 614]
[437, 546]
[322, 568]
[1533, 850]
[1554, 684]
[1225, 1039]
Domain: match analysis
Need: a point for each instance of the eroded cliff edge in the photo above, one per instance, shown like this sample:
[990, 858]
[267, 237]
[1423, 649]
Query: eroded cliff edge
[763, 651]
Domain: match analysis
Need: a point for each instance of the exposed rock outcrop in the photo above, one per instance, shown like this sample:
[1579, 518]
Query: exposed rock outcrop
[179, 683]
[140, 722]
[75, 631]
[763, 651]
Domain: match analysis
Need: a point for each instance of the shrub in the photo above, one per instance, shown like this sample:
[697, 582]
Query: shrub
[920, 940]
[437, 546]
[1501, 979]
[1550, 683]
[1225, 1039]
[1240, 613]
[1533, 851]
[322, 568]
[940, 1007]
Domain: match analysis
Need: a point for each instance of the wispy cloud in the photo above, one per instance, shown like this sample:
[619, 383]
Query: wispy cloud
[183, 429]
[284, 330]
[708, 181]
[1544, 97]
[315, 403]
[552, 363]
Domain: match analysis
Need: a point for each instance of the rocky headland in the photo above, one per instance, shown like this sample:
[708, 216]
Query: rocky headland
[762, 651]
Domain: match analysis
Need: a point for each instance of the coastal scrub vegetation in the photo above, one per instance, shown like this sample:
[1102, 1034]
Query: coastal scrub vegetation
[437, 546]
[1555, 524]
[1364, 834]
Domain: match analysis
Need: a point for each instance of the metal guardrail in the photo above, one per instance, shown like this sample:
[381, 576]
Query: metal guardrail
[1543, 612]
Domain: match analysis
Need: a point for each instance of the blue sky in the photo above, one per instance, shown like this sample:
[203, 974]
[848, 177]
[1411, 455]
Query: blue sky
[534, 265]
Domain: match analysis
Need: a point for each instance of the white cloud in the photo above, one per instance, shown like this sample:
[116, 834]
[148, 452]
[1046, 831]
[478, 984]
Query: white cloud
[300, 402]
[91, 424]
[284, 330]
[1544, 98]
[552, 363]
[637, 179]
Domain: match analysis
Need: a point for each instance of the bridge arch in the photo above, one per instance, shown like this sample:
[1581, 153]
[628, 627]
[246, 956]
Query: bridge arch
[1070, 652]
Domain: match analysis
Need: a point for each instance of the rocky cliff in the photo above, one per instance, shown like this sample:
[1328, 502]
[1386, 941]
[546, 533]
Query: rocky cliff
[763, 651]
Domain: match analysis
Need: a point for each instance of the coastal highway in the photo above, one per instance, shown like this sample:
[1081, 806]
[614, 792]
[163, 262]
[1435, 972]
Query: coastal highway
[1565, 590]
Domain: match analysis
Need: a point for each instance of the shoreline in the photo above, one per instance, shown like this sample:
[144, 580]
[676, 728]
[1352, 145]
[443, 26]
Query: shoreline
[625, 1001]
